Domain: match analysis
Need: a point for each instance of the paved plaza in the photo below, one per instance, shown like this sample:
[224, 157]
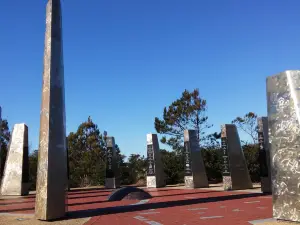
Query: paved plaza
[169, 205]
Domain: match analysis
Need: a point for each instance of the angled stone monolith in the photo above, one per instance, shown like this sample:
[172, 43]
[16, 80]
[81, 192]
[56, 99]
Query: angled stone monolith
[235, 172]
[195, 174]
[155, 172]
[264, 154]
[112, 179]
[283, 98]
[16, 173]
[52, 167]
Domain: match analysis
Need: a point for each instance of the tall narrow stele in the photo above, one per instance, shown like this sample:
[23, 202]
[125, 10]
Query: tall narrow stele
[235, 171]
[283, 96]
[16, 172]
[52, 166]
[112, 179]
[195, 173]
[155, 172]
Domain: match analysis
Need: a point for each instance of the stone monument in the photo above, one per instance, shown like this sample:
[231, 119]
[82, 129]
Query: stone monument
[264, 154]
[112, 179]
[195, 174]
[16, 173]
[283, 97]
[52, 167]
[155, 172]
[235, 171]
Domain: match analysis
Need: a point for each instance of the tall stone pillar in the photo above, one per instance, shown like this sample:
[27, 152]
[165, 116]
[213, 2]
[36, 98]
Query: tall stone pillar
[195, 174]
[283, 97]
[264, 154]
[52, 167]
[112, 179]
[155, 172]
[235, 171]
[16, 173]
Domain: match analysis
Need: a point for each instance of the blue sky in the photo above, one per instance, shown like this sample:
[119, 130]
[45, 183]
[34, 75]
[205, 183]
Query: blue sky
[126, 60]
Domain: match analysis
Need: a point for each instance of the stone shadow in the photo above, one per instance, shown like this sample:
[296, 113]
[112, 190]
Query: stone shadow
[141, 207]
[77, 191]
[188, 193]
[158, 205]
[89, 196]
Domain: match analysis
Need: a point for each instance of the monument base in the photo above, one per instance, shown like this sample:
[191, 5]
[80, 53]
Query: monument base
[189, 181]
[266, 186]
[237, 185]
[227, 183]
[153, 182]
[111, 183]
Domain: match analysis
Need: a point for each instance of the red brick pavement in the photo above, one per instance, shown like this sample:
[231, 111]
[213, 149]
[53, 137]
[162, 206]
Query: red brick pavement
[168, 206]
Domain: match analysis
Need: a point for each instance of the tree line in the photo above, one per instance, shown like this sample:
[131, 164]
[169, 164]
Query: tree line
[87, 148]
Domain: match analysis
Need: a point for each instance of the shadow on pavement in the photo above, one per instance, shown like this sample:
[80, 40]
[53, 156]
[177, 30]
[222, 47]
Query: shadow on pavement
[88, 190]
[93, 195]
[158, 205]
[187, 193]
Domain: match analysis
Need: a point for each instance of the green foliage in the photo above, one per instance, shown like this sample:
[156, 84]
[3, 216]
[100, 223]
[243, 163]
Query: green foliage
[248, 124]
[137, 167]
[213, 161]
[187, 112]
[86, 155]
[173, 165]
[4, 141]
[87, 158]
[251, 152]
[33, 160]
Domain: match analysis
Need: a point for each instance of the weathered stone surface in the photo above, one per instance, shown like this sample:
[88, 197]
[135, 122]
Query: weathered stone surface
[195, 174]
[155, 172]
[264, 154]
[283, 98]
[235, 171]
[52, 166]
[16, 172]
[112, 179]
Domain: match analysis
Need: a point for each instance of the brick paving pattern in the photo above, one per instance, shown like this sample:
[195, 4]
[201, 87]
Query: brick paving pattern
[168, 206]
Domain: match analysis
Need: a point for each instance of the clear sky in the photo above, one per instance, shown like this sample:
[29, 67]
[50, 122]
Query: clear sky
[126, 60]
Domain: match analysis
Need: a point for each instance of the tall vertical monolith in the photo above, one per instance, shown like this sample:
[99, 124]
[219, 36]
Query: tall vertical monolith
[112, 179]
[16, 172]
[235, 172]
[155, 172]
[264, 154]
[52, 167]
[283, 98]
[195, 174]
